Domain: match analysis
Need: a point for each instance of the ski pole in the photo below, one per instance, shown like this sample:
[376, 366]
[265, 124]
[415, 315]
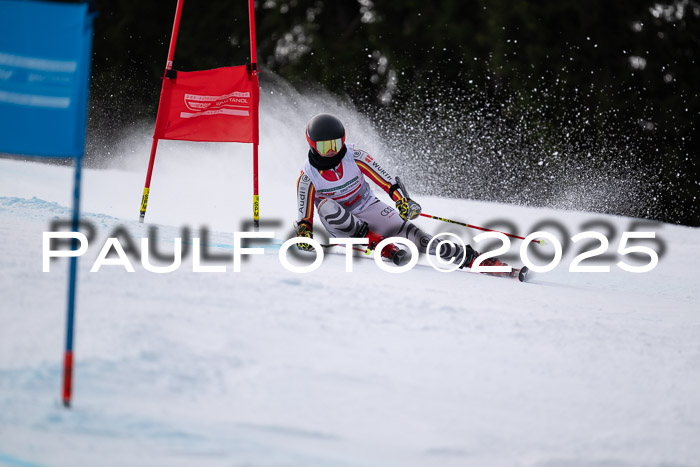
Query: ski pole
[539, 242]
[405, 193]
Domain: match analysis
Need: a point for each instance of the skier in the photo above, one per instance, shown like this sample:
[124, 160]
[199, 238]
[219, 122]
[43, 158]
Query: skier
[333, 182]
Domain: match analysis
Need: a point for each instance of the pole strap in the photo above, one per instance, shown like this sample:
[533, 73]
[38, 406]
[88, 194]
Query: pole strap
[392, 190]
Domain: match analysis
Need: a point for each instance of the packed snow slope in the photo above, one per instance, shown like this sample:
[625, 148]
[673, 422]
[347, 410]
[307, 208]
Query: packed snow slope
[267, 367]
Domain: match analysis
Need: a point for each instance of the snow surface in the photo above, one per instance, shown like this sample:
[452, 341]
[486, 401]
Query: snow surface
[269, 368]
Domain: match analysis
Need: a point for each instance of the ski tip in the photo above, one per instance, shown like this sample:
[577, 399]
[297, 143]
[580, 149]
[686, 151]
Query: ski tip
[401, 258]
[522, 275]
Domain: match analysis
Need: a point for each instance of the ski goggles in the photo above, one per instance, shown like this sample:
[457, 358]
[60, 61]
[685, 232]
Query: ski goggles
[324, 147]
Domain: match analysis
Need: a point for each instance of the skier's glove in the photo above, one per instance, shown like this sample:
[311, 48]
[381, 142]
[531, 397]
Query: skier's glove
[408, 209]
[304, 229]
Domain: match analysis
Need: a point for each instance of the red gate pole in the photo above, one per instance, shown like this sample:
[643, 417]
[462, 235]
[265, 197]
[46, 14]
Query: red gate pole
[161, 114]
[256, 103]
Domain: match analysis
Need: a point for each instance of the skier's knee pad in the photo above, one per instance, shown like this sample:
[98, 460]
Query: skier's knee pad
[328, 206]
[339, 221]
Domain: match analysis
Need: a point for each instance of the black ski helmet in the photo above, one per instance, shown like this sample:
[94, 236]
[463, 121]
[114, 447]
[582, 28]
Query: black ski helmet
[325, 133]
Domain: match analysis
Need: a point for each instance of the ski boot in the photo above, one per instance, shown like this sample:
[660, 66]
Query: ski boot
[391, 252]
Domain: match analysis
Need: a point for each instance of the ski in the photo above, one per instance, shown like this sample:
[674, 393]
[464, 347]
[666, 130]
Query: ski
[515, 273]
